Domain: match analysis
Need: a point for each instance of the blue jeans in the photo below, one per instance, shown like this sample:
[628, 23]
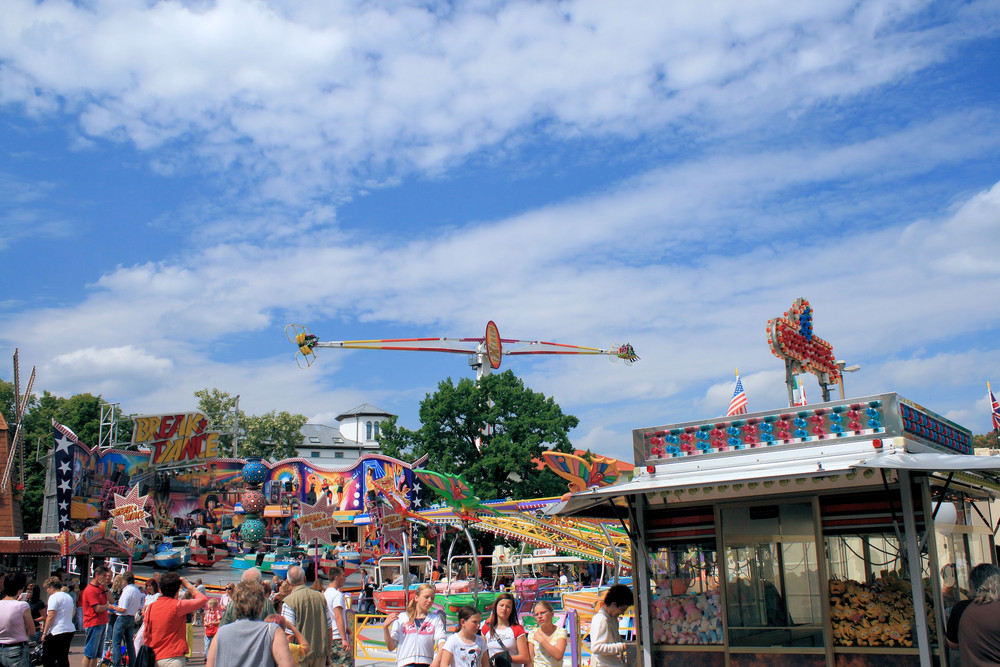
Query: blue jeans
[124, 632]
[14, 656]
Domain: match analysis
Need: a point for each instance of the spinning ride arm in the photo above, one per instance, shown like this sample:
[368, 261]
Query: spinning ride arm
[487, 349]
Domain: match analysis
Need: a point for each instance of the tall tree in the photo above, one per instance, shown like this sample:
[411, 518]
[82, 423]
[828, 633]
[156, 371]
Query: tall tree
[274, 435]
[514, 423]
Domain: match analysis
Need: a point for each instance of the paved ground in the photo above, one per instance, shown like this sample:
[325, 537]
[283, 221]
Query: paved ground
[197, 659]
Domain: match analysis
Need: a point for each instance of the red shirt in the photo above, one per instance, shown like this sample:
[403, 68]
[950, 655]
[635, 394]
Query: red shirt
[165, 620]
[92, 596]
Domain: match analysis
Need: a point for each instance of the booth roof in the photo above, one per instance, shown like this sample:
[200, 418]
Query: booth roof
[781, 463]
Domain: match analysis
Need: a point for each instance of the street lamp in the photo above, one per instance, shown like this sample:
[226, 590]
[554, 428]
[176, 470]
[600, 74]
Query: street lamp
[844, 368]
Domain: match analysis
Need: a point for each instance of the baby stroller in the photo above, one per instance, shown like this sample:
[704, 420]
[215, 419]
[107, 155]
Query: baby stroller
[109, 658]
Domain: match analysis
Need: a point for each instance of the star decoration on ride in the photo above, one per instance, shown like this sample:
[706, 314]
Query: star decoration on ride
[130, 512]
[317, 521]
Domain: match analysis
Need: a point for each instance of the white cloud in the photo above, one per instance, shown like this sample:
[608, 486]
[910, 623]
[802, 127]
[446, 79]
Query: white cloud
[297, 98]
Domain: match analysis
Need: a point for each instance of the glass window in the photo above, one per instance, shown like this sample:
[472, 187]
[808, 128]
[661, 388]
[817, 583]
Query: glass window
[368, 430]
[686, 603]
[772, 576]
[338, 455]
[314, 439]
[314, 455]
[376, 429]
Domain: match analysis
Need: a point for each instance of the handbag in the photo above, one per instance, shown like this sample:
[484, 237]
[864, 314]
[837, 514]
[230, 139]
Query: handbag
[503, 658]
[145, 657]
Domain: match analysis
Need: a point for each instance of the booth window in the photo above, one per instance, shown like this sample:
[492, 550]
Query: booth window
[772, 574]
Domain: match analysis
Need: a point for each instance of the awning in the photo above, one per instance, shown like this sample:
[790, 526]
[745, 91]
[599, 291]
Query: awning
[931, 462]
[762, 465]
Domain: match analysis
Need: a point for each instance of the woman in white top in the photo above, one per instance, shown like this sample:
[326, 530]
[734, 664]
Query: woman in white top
[415, 635]
[606, 644]
[503, 634]
[57, 633]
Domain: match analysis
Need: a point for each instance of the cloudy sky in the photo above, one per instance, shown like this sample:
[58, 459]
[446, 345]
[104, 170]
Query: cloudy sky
[180, 180]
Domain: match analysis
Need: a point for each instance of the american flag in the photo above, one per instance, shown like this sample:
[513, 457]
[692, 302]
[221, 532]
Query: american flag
[800, 392]
[738, 406]
[63, 452]
[994, 408]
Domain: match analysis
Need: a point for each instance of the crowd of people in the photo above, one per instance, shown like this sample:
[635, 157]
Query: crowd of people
[278, 623]
[419, 639]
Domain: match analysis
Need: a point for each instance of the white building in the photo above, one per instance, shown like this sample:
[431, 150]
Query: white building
[356, 435]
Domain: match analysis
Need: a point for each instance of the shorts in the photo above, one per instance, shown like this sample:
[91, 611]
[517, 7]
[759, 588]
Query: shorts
[95, 641]
[340, 656]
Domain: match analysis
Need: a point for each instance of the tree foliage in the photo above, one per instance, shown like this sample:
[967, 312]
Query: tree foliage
[274, 435]
[989, 440]
[81, 413]
[515, 424]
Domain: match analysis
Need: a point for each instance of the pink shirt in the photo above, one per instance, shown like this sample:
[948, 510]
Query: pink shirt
[12, 628]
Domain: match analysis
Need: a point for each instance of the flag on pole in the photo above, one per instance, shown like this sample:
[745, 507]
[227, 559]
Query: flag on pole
[994, 408]
[800, 391]
[738, 405]
[63, 458]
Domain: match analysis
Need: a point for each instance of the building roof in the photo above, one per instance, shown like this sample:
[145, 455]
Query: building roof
[329, 436]
[364, 410]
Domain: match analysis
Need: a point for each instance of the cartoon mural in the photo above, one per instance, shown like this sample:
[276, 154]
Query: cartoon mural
[206, 492]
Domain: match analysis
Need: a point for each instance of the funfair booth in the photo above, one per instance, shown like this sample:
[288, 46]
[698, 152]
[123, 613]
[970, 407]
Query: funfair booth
[837, 534]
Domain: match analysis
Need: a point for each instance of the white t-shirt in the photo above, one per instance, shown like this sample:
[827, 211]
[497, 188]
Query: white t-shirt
[417, 644]
[62, 604]
[462, 654]
[563, 580]
[502, 639]
[334, 599]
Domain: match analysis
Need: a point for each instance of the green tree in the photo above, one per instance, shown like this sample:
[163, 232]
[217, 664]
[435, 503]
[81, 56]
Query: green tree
[81, 413]
[515, 424]
[274, 435]
[990, 440]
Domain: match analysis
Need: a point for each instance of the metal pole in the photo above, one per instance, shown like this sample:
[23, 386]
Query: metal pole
[923, 640]
[790, 383]
[475, 561]
[236, 428]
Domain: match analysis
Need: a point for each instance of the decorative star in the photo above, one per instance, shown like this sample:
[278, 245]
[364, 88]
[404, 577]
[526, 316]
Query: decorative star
[63, 505]
[65, 485]
[66, 466]
[63, 441]
[316, 522]
[133, 520]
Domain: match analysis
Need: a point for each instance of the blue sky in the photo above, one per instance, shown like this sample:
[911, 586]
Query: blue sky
[182, 179]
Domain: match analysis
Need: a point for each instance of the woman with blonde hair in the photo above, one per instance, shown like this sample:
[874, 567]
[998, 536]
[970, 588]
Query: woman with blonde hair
[548, 642]
[416, 634]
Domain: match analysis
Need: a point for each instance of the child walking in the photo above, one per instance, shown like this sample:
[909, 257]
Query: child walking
[466, 648]
[211, 618]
